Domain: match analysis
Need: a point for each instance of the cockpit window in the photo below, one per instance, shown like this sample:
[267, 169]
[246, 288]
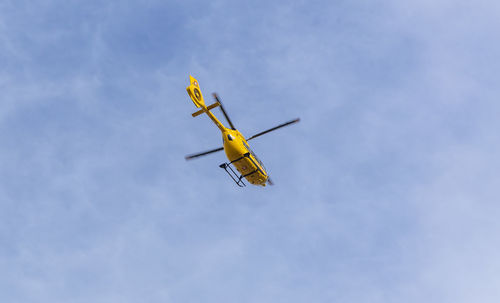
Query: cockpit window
[229, 137]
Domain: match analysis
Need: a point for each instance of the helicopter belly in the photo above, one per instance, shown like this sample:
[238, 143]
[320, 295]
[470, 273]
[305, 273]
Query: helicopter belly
[252, 172]
[245, 163]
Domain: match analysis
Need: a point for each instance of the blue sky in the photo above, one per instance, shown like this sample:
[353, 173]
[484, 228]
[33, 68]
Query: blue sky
[386, 191]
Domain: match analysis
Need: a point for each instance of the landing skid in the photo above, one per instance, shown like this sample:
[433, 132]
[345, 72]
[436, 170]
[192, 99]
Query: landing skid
[230, 171]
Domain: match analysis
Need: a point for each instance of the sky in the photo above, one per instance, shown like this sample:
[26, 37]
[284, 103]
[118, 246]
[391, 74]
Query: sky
[386, 191]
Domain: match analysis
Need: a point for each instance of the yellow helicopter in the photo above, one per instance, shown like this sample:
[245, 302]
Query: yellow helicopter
[234, 143]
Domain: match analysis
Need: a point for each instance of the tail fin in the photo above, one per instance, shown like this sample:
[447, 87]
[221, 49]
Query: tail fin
[195, 93]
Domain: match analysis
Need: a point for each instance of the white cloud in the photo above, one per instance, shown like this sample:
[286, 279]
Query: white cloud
[385, 190]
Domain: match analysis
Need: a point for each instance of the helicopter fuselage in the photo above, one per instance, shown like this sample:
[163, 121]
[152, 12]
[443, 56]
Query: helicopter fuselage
[243, 158]
[235, 145]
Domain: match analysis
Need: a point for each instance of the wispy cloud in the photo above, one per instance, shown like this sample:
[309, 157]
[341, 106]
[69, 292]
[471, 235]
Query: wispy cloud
[385, 190]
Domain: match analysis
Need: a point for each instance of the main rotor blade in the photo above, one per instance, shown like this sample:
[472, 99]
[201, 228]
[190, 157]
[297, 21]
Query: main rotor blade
[274, 128]
[223, 111]
[192, 156]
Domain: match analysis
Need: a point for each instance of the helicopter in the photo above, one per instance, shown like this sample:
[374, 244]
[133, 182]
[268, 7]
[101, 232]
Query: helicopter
[235, 145]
